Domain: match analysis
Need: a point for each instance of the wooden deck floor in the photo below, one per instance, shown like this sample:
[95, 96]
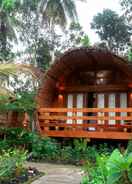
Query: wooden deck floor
[91, 135]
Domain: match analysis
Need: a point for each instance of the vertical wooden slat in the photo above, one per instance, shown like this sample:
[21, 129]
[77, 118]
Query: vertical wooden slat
[117, 106]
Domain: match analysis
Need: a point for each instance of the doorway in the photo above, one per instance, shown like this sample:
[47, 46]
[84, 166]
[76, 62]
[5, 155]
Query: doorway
[91, 102]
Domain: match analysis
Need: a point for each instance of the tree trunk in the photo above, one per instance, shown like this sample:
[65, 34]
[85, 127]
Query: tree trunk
[3, 37]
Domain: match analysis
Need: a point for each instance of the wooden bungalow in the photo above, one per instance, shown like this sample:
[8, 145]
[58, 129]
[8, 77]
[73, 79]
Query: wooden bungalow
[86, 93]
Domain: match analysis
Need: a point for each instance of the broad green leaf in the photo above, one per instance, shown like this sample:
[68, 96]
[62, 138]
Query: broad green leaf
[114, 177]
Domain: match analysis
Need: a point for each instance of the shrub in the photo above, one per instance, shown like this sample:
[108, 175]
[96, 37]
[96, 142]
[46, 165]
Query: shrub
[105, 149]
[45, 148]
[4, 145]
[84, 152]
[67, 154]
[10, 162]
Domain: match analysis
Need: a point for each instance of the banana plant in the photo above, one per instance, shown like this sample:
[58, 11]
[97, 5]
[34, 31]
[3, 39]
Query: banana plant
[119, 168]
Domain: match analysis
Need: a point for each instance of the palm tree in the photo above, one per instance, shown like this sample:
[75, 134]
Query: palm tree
[58, 11]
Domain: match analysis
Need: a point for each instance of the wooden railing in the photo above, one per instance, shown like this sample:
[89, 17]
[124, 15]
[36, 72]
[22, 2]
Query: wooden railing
[86, 122]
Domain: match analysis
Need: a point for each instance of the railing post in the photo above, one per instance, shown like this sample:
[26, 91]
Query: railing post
[46, 121]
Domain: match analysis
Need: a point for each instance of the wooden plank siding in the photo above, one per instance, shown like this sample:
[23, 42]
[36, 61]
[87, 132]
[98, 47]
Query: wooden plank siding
[53, 122]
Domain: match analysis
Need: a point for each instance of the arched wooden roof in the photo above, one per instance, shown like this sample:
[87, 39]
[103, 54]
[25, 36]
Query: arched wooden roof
[80, 58]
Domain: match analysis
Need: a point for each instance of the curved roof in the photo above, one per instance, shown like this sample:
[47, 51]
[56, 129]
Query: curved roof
[81, 59]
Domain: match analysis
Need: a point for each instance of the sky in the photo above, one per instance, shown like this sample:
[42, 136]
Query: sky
[86, 11]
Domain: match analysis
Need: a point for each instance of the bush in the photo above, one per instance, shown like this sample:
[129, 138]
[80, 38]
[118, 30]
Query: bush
[11, 163]
[66, 154]
[45, 149]
[16, 137]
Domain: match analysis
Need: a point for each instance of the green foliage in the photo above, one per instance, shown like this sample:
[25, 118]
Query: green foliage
[119, 168]
[74, 37]
[8, 5]
[130, 55]
[105, 149]
[10, 161]
[84, 152]
[111, 169]
[66, 154]
[84, 180]
[118, 35]
[4, 145]
[42, 52]
[85, 41]
[24, 102]
[46, 149]
[127, 6]
[16, 137]
[129, 147]
[8, 24]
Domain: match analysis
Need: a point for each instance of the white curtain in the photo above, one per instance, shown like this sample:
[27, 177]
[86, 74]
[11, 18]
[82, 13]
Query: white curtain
[79, 105]
[100, 104]
[111, 104]
[69, 105]
[123, 104]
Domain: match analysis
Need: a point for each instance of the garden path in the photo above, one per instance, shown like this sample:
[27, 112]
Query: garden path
[57, 174]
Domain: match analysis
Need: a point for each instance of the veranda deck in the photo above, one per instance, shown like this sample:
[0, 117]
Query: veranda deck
[94, 123]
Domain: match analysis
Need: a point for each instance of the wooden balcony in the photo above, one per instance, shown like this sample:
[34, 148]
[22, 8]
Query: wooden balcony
[94, 123]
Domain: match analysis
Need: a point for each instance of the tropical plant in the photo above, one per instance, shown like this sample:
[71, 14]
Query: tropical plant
[113, 169]
[46, 149]
[67, 154]
[10, 161]
[129, 147]
[85, 180]
[83, 152]
[105, 149]
[119, 168]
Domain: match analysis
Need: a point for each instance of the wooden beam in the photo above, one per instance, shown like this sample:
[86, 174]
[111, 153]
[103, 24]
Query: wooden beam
[84, 125]
[92, 134]
[58, 117]
[96, 88]
[61, 110]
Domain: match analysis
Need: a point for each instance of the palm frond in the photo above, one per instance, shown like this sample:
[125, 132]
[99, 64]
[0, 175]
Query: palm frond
[57, 11]
[70, 9]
